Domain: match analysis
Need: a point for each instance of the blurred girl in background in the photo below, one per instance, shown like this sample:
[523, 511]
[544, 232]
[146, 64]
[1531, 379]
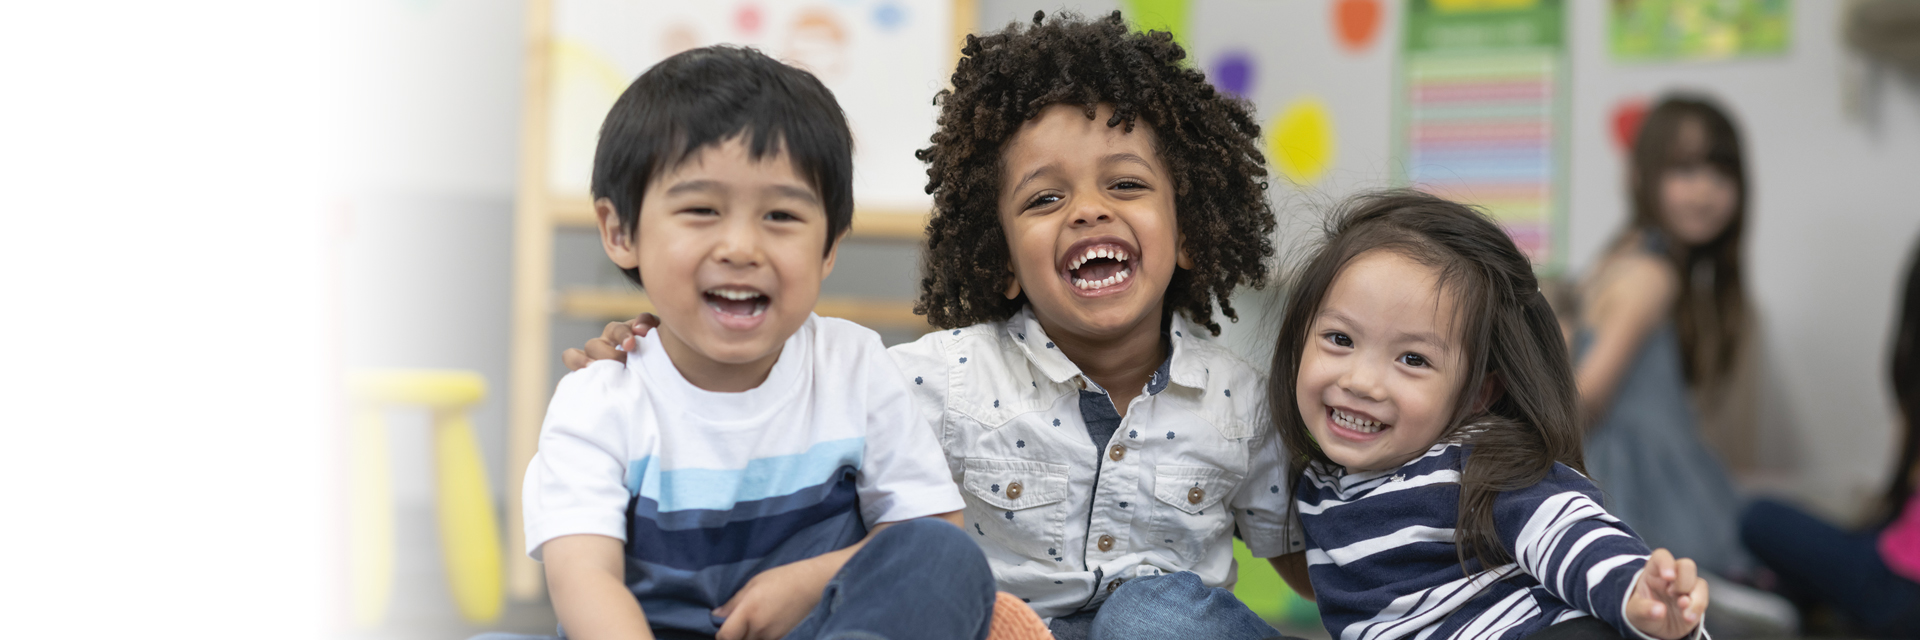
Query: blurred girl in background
[1661, 316]
[1871, 575]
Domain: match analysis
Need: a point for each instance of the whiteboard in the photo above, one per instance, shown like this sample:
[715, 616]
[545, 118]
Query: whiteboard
[883, 59]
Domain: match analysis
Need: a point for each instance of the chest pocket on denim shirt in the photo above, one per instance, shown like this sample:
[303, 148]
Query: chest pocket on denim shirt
[1189, 510]
[1020, 503]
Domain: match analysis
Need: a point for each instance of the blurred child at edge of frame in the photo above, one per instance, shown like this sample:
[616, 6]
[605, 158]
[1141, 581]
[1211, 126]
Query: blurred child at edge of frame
[1872, 576]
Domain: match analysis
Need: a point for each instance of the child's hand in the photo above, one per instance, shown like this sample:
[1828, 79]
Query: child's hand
[1668, 599]
[623, 334]
[773, 602]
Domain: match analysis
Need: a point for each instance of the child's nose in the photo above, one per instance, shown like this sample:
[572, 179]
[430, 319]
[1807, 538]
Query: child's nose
[1091, 213]
[739, 246]
[1362, 380]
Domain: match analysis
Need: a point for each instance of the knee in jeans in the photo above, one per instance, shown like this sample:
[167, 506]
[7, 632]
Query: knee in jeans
[931, 541]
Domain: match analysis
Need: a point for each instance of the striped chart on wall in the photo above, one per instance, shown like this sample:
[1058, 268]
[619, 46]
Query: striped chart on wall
[1482, 114]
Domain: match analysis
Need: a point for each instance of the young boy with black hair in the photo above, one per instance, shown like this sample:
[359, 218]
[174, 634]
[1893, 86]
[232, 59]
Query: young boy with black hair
[753, 470]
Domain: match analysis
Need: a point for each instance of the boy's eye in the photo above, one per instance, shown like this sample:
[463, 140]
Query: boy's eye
[1414, 360]
[700, 211]
[1339, 339]
[1042, 200]
[1128, 184]
[781, 216]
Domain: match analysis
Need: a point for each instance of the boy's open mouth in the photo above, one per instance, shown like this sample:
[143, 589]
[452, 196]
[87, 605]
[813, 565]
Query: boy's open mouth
[737, 301]
[1355, 423]
[1097, 265]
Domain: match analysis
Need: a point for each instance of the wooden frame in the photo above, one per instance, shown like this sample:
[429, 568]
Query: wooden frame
[537, 214]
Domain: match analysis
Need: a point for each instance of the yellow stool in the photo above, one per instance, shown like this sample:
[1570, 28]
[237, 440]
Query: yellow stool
[469, 530]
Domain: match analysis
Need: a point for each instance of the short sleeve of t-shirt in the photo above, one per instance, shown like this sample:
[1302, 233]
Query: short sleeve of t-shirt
[575, 483]
[904, 474]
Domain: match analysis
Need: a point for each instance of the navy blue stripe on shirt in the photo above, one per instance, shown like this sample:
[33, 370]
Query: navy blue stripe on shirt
[731, 542]
[1381, 555]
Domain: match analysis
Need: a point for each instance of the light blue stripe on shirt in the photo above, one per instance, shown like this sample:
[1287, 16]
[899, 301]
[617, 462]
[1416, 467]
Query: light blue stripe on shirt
[762, 478]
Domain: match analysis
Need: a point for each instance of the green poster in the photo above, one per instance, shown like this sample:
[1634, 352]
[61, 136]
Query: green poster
[1482, 110]
[1697, 29]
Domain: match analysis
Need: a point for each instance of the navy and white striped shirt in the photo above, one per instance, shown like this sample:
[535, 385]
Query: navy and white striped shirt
[1383, 563]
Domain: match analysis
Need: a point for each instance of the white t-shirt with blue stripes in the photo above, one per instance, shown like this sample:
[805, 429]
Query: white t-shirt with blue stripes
[1381, 555]
[709, 489]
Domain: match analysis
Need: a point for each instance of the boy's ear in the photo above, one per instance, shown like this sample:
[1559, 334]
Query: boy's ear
[1013, 284]
[826, 267]
[622, 244]
[1180, 257]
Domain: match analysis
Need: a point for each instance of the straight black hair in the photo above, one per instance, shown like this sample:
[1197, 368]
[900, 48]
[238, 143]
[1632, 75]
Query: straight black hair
[706, 96]
[1507, 331]
[1906, 388]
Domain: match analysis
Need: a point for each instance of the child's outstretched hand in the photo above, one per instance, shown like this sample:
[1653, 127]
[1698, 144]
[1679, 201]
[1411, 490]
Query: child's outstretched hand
[614, 343]
[1668, 599]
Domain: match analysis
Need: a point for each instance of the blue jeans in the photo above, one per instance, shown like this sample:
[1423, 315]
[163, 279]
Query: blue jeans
[1176, 606]
[921, 578]
[1818, 562]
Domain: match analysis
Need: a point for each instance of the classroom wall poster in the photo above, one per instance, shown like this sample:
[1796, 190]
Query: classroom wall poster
[883, 59]
[1481, 113]
[1652, 30]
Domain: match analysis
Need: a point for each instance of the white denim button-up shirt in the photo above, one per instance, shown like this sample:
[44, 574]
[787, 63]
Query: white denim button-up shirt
[1062, 522]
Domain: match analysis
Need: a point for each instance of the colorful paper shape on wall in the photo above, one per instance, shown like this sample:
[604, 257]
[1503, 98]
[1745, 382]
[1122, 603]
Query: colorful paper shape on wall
[1233, 72]
[1483, 111]
[1626, 119]
[1160, 15]
[1651, 30]
[1356, 23]
[1301, 142]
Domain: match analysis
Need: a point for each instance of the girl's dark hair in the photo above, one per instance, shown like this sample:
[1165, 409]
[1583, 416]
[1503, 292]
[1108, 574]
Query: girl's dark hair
[1906, 387]
[706, 96]
[1711, 313]
[1208, 140]
[1506, 330]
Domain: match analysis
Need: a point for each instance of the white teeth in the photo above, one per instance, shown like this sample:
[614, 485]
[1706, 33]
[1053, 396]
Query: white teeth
[734, 294]
[1109, 281]
[1355, 422]
[1110, 253]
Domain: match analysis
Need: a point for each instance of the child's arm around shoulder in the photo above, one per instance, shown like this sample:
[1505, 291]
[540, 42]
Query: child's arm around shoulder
[1559, 534]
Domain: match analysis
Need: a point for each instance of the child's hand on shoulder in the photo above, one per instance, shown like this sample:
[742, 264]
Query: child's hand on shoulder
[1668, 598]
[614, 343]
[774, 602]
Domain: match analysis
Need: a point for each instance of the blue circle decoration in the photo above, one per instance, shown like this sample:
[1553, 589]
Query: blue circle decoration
[890, 16]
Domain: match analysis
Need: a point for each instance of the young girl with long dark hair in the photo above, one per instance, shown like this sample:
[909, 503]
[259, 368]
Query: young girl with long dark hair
[1662, 316]
[1422, 384]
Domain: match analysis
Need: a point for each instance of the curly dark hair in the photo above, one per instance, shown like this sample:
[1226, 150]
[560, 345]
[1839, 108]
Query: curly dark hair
[1208, 140]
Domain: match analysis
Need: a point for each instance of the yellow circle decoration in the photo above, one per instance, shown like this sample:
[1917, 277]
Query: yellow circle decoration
[1300, 142]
